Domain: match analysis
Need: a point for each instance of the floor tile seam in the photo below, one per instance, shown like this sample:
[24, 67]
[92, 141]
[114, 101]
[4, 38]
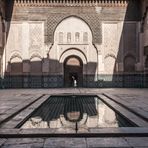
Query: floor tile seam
[44, 142]
[4, 142]
[20, 143]
[86, 142]
[128, 142]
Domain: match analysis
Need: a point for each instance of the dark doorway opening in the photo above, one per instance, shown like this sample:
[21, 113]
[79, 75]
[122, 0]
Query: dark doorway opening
[73, 72]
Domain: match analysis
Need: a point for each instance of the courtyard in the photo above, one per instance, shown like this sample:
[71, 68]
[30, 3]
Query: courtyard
[17, 104]
[73, 73]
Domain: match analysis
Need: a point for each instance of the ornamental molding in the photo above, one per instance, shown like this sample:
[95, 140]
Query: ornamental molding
[71, 3]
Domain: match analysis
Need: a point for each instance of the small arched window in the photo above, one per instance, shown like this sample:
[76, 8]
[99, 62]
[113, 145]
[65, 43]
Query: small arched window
[68, 37]
[110, 64]
[129, 63]
[60, 37]
[77, 37]
[85, 37]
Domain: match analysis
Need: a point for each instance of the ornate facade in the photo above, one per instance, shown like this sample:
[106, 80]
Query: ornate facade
[51, 43]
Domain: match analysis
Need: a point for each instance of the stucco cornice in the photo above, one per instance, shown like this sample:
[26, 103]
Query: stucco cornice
[102, 3]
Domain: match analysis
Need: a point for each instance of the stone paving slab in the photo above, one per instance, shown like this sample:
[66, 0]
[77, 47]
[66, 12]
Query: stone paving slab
[37, 131]
[125, 142]
[9, 131]
[66, 143]
[32, 145]
[140, 147]
[51, 134]
[94, 132]
[123, 130]
[107, 142]
[23, 141]
[137, 141]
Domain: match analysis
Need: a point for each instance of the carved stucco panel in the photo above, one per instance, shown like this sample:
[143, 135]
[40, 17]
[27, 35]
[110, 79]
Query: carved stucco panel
[14, 39]
[110, 45]
[36, 37]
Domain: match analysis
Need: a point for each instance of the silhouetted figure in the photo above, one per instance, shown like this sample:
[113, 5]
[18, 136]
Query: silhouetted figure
[74, 81]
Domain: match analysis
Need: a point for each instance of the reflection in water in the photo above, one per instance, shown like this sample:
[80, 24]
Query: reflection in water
[74, 113]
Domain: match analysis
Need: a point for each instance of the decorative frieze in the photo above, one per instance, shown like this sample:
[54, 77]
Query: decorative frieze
[85, 3]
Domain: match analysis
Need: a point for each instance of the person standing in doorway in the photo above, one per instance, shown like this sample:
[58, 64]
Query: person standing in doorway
[74, 81]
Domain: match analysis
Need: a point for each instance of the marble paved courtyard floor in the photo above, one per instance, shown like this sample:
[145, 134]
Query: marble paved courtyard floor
[16, 104]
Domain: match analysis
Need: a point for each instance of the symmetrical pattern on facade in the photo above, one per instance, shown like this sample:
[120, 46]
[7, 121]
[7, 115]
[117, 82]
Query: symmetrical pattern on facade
[104, 35]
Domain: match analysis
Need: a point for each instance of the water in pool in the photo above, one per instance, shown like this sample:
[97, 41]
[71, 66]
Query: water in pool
[75, 113]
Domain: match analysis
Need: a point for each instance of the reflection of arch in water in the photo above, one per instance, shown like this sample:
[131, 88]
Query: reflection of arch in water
[73, 109]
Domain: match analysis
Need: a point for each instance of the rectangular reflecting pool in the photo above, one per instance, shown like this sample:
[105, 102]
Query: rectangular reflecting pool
[75, 113]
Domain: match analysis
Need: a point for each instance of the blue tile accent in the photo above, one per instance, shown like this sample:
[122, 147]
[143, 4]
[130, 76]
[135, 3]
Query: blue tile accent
[146, 80]
[56, 81]
[117, 81]
[16, 81]
[35, 81]
[53, 81]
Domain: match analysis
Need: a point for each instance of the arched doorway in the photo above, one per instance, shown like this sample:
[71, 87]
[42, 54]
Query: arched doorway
[73, 70]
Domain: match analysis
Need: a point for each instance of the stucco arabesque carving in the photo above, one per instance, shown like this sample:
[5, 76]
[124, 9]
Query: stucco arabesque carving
[15, 54]
[130, 53]
[34, 54]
